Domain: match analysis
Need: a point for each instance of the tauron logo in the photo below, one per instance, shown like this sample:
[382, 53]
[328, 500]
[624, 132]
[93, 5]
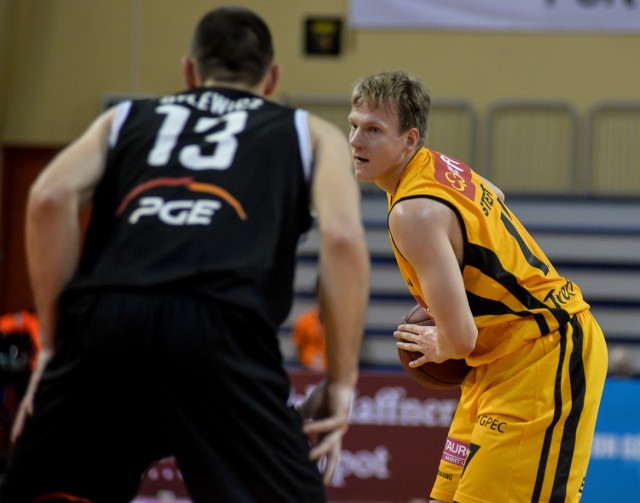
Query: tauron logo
[455, 451]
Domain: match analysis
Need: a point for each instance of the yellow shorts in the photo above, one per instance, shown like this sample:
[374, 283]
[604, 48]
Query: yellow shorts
[524, 425]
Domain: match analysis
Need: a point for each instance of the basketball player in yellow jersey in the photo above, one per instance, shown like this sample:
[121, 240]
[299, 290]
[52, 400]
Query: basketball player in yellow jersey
[525, 422]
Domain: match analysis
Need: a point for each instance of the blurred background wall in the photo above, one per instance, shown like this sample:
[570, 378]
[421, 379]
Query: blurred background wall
[551, 116]
[59, 58]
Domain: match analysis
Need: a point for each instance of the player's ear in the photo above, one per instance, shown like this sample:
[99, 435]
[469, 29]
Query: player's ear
[272, 79]
[189, 72]
[413, 137]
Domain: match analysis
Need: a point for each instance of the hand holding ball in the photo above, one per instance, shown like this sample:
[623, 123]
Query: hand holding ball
[448, 374]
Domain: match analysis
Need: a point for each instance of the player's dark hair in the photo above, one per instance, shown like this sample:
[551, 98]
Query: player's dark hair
[232, 44]
[408, 94]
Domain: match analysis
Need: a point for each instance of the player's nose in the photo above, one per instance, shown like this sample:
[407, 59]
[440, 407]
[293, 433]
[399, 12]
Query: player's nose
[355, 138]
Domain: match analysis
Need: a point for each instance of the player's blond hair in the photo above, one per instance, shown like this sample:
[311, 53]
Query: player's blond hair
[407, 94]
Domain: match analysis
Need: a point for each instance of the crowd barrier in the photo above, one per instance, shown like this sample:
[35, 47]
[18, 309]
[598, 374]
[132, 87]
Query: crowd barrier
[528, 146]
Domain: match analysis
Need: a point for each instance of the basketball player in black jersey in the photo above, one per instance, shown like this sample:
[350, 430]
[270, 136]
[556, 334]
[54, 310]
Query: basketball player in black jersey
[160, 339]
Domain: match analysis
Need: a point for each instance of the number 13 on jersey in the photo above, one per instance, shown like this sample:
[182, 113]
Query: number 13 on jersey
[176, 118]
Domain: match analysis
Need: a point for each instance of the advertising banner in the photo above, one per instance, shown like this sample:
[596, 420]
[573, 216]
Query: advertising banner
[391, 452]
[398, 431]
[621, 16]
[614, 469]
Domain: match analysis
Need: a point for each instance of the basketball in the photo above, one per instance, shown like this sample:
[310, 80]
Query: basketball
[448, 374]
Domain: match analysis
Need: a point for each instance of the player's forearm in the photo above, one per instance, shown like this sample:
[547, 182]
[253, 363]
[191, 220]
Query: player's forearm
[344, 270]
[458, 346]
[457, 334]
[52, 243]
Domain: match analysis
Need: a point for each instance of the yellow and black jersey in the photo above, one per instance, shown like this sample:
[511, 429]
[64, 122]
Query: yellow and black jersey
[514, 292]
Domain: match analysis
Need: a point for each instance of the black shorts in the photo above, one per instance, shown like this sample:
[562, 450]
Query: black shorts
[139, 377]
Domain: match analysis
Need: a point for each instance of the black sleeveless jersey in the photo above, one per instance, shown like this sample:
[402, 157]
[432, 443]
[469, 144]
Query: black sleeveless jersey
[205, 192]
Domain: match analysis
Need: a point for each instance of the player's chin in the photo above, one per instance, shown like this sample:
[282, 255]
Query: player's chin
[362, 173]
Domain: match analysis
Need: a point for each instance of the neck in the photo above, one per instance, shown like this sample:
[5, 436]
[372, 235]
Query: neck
[390, 183]
[231, 85]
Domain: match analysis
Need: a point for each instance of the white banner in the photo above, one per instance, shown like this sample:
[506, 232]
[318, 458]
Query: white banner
[617, 16]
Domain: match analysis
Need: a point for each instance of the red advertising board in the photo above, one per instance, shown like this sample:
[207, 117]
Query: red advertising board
[391, 452]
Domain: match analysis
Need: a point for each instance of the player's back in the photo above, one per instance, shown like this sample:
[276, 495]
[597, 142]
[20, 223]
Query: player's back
[204, 191]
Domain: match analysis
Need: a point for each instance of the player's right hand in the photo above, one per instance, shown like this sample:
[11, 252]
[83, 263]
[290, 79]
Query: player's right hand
[26, 405]
[326, 414]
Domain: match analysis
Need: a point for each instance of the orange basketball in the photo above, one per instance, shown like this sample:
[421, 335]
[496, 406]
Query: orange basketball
[448, 374]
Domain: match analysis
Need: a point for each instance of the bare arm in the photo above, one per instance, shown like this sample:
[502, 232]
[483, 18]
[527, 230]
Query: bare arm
[344, 280]
[53, 234]
[429, 236]
[344, 260]
[52, 225]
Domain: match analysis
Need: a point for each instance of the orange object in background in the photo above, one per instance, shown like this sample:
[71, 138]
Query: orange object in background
[309, 340]
[26, 324]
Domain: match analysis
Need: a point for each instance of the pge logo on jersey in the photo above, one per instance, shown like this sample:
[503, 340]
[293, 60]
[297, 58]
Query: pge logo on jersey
[179, 211]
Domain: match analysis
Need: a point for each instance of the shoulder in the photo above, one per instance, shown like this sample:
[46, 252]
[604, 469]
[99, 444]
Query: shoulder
[419, 212]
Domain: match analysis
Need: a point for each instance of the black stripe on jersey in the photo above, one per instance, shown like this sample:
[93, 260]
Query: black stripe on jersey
[578, 387]
[528, 255]
[504, 207]
[482, 306]
[546, 445]
[488, 262]
[577, 383]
